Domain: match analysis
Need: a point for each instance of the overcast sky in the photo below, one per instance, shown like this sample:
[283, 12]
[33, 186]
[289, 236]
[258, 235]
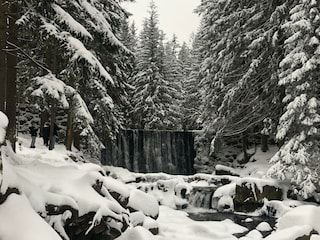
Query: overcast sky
[175, 16]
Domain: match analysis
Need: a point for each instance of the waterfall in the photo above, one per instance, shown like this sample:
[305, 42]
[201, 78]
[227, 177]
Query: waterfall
[148, 151]
[201, 197]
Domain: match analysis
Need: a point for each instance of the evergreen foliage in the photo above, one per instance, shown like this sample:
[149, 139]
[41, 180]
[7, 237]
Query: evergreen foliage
[192, 102]
[299, 124]
[260, 61]
[92, 62]
[156, 93]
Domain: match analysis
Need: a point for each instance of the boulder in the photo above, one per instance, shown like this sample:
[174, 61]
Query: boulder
[140, 201]
[249, 197]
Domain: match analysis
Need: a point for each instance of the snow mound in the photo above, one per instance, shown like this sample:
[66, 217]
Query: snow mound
[298, 222]
[16, 213]
[147, 204]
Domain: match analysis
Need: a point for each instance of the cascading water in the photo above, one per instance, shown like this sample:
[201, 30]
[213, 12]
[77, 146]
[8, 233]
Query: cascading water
[152, 151]
[201, 197]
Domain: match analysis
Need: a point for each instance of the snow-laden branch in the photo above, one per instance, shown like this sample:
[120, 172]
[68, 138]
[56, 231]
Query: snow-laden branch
[74, 26]
[49, 89]
[76, 49]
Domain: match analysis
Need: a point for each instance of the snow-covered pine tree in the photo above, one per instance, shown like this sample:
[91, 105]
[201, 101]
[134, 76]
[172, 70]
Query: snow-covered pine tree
[85, 32]
[298, 158]
[173, 95]
[152, 94]
[192, 101]
[184, 56]
[240, 64]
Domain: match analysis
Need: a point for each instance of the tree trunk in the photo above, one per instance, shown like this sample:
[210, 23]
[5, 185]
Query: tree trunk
[3, 62]
[245, 147]
[76, 140]
[264, 143]
[69, 133]
[52, 123]
[44, 117]
[12, 72]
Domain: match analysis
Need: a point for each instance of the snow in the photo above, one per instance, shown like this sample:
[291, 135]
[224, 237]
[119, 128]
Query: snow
[299, 216]
[254, 234]
[66, 18]
[50, 87]
[176, 225]
[3, 125]
[44, 176]
[19, 221]
[80, 52]
[136, 233]
[139, 200]
[263, 227]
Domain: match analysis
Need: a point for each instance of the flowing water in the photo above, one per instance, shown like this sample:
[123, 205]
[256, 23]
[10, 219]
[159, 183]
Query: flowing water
[250, 222]
[201, 198]
[149, 151]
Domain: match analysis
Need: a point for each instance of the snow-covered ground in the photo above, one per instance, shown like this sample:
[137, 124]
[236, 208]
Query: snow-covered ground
[45, 176]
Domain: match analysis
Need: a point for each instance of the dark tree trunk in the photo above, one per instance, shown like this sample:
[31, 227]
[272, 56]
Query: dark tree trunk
[12, 72]
[44, 117]
[3, 62]
[69, 133]
[52, 123]
[76, 140]
[264, 143]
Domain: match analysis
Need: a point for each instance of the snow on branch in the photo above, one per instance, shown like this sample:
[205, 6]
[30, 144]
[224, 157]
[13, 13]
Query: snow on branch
[49, 89]
[77, 49]
[101, 24]
[80, 52]
[64, 17]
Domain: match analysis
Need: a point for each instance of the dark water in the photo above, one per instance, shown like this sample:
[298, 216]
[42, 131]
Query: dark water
[237, 218]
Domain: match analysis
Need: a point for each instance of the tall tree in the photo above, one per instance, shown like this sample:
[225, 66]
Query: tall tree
[173, 74]
[150, 97]
[3, 39]
[8, 63]
[91, 63]
[299, 125]
[240, 64]
[192, 103]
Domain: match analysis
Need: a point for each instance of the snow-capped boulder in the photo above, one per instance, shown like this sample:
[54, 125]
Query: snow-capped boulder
[140, 201]
[250, 194]
[300, 223]
[139, 219]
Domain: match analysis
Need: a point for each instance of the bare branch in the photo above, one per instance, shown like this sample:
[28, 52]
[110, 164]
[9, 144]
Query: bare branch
[29, 57]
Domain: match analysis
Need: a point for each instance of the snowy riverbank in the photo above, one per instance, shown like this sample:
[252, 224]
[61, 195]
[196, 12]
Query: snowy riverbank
[44, 176]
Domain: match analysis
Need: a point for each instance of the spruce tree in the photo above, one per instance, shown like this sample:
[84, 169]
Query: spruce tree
[86, 33]
[298, 127]
[192, 103]
[240, 64]
[153, 97]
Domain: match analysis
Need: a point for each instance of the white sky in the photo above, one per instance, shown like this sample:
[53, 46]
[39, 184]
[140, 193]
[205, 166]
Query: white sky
[175, 16]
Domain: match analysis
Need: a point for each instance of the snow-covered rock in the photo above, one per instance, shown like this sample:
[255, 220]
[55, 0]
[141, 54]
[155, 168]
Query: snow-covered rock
[19, 221]
[140, 201]
[299, 222]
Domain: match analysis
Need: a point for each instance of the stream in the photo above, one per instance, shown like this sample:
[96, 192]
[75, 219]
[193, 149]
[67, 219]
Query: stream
[250, 222]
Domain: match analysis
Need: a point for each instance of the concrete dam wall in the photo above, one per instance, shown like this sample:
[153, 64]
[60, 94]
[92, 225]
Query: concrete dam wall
[152, 151]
